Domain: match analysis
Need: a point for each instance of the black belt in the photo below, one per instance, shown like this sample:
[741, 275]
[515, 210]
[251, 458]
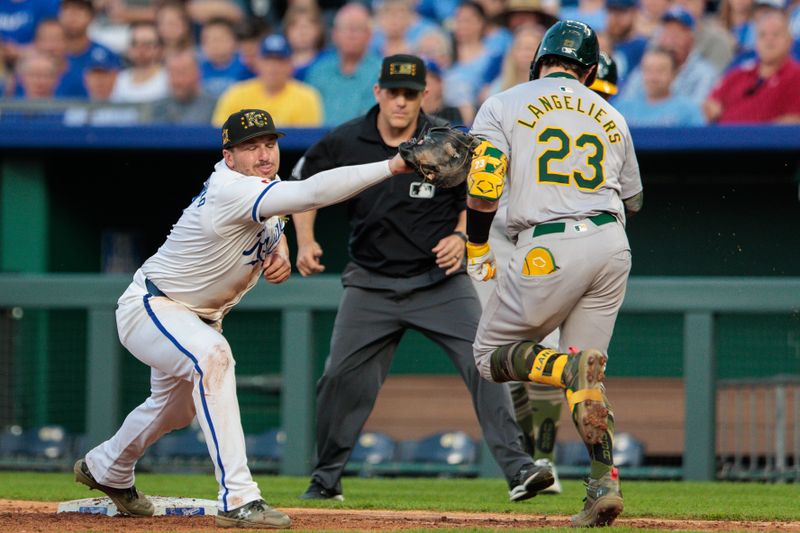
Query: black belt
[152, 289]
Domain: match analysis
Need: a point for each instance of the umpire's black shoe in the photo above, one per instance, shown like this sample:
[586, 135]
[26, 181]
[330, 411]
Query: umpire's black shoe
[128, 501]
[316, 491]
[529, 481]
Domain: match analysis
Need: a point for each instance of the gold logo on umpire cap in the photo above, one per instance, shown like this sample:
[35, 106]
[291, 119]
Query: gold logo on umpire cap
[254, 118]
[400, 69]
[225, 137]
[569, 43]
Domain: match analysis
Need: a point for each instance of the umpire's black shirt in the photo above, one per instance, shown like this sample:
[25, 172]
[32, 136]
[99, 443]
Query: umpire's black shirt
[395, 224]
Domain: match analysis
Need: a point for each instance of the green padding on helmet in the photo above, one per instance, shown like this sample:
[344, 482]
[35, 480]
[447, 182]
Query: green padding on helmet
[571, 39]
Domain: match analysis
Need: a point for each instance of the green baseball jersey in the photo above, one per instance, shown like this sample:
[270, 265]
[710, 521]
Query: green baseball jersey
[570, 153]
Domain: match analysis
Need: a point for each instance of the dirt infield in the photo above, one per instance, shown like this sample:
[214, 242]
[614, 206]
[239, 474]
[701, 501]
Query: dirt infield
[23, 516]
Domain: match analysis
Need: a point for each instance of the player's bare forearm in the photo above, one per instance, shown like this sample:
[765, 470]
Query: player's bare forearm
[479, 204]
[304, 226]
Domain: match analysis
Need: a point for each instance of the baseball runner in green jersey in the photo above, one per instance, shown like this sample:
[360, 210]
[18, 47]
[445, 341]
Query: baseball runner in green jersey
[572, 179]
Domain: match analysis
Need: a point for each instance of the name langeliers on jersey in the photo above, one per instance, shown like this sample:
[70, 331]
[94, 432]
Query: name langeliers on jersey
[557, 102]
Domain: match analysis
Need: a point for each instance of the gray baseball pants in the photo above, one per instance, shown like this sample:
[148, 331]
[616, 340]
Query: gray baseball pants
[368, 328]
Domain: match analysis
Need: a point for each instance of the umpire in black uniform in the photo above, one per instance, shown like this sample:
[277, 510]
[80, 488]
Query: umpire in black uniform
[406, 249]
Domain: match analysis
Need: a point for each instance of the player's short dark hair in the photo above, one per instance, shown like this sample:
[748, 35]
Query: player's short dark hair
[565, 63]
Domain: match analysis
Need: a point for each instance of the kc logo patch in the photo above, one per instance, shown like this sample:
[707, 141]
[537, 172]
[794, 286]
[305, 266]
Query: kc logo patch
[254, 118]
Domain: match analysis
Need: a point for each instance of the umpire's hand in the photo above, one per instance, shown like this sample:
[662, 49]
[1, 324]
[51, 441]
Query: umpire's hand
[449, 253]
[308, 259]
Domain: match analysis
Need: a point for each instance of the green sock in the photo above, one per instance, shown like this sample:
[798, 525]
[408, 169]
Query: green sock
[602, 454]
[546, 416]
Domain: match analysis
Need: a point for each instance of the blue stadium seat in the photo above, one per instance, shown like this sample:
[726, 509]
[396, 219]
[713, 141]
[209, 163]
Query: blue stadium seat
[374, 448]
[47, 442]
[628, 451]
[451, 448]
[12, 442]
[183, 444]
[266, 446]
[572, 453]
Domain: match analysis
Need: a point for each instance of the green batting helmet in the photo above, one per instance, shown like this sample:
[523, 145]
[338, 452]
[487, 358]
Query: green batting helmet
[606, 81]
[569, 39]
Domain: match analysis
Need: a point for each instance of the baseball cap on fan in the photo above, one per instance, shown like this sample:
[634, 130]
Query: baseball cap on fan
[402, 71]
[679, 15]
[246, 124]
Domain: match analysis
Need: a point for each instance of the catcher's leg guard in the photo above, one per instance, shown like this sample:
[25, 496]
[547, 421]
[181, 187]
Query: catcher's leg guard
[513, 362]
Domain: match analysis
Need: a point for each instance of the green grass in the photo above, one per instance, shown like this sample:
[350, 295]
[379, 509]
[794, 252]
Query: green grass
[731, 501]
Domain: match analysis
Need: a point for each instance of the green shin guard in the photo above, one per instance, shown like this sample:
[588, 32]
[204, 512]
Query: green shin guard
[513, 362]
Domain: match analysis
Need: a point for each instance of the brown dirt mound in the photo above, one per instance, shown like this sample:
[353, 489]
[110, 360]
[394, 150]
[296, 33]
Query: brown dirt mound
[23, 516]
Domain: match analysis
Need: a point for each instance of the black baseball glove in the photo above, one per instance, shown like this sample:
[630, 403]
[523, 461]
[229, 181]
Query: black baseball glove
[443, 156]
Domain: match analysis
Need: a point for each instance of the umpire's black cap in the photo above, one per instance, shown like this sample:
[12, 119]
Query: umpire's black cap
[402, 71]
[246, 124]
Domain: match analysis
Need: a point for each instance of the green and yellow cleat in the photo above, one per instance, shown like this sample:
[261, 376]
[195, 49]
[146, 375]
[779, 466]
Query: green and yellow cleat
[603, 502]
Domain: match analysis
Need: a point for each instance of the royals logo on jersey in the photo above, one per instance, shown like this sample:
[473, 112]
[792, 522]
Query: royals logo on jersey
[266, 240]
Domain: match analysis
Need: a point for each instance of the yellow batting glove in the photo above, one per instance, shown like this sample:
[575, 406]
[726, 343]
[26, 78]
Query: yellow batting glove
[480, 261]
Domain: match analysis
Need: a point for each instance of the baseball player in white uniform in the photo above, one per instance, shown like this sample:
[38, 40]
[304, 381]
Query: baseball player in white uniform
[170, 315]
[572, 176]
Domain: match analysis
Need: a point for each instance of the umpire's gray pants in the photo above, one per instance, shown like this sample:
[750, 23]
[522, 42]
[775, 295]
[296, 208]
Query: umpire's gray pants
[368, 328]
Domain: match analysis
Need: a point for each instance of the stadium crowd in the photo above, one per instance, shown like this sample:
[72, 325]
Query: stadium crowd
[313, 62]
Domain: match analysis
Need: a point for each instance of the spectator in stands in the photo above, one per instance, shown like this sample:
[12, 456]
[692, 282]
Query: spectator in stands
[249, 34]
[525, 13]
[345, 78]
[432, 99]
[735, 16]
[440, 11]
[516, 65]
[174, 27]
[50, 40]
[220, 65]
[497, 37]
[761, 9]
[99, 77]
[399, 27]
[187, 102]
[146, 79]
[659, 107]
[765, 90]
[18, 23]
[625, 44]
[437, 47]
[695, 76]
[202, 11]
[75, 17]
[649, 17]
[305, 31]
[38, 75]
[290, 102]
[712, 40]
[591, 12]
[464, 79]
